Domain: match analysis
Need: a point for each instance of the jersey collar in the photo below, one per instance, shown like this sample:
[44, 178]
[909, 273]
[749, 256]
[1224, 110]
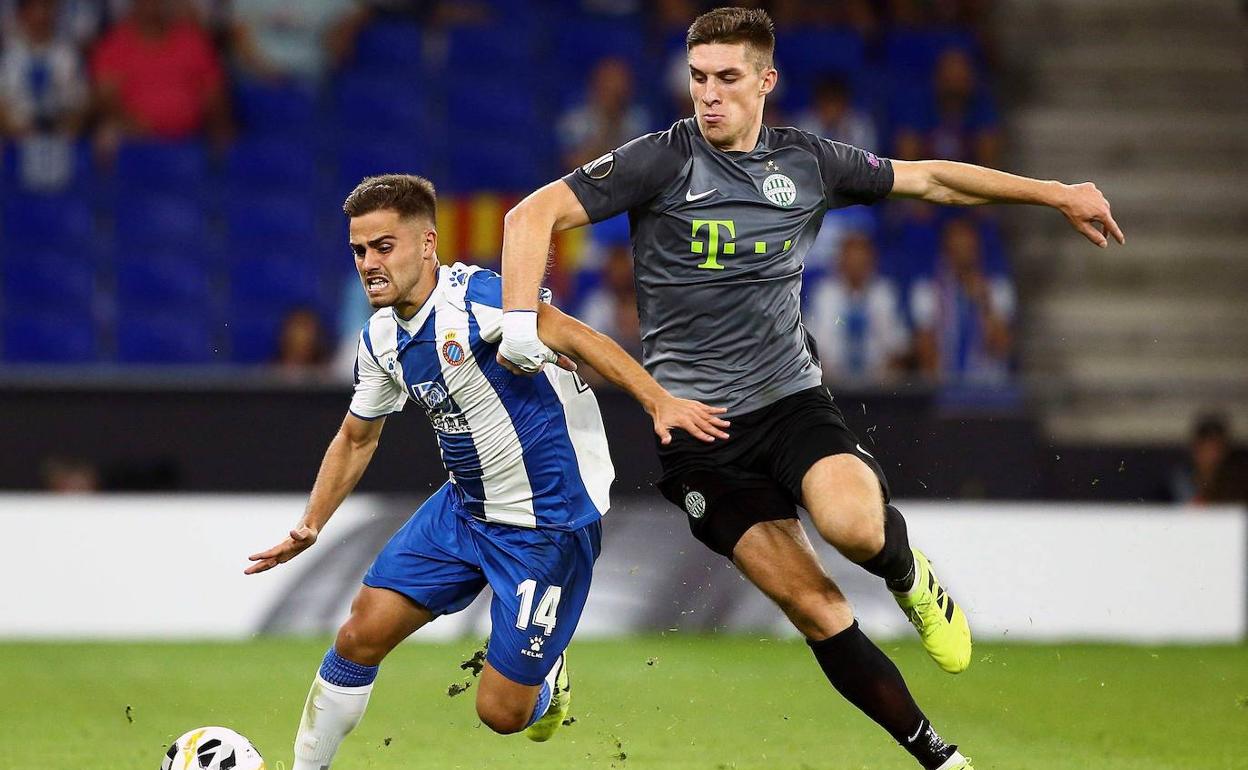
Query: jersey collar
[413, 325]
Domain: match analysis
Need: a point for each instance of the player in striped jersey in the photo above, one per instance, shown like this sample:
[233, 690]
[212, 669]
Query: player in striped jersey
[529, 475]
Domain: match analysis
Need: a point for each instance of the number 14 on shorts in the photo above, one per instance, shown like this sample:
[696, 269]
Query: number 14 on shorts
[547, 606]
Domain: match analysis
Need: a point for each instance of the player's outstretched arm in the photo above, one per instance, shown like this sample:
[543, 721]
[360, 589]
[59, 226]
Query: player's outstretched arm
[963, 184]
[564, 333]
[345, 460]
[527, 230]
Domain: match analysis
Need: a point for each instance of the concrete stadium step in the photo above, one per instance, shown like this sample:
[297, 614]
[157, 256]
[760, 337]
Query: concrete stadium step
[1150, 100]
[1142, 132]
[1214, 259]
[1177, 198]
[1139, 419]
[1116, 90]
[1123, 370]
[1149, 309]
[1140, 58]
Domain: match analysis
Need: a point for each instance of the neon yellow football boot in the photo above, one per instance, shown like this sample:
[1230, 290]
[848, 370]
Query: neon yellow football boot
[940, 622]
[560, 700]
[957, 762]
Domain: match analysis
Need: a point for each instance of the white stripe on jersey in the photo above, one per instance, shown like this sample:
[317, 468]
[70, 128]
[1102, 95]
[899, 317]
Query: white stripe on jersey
[584, 419]
[508, 495]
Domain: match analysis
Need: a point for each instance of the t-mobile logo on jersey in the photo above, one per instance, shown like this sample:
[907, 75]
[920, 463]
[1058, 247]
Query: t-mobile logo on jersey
[716, 242]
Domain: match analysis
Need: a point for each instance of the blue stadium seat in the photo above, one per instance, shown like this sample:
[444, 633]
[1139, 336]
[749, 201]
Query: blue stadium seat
[168, 280]
[271, 163]
[389, 45]
[491, 49]
[165, 338]
[62, 219]
[253, 336]
[280, 110]
[11, 182]
[369, 154]
[497, 103]
[806, 56]
[160, 217]
[49, 337]
[273, 281]
[395, 103]
[177, 167]
[482, 161]
[262, 216]
[914, 51]
[43, 276]
[580, 42]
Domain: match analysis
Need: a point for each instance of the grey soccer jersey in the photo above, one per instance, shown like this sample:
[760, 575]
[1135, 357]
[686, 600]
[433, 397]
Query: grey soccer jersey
[719, 242]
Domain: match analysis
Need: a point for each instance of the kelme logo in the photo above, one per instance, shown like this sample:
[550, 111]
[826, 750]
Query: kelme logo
[780, 190]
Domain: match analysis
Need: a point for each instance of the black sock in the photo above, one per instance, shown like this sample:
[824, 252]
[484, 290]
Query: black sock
[866, 677]
[894, 562]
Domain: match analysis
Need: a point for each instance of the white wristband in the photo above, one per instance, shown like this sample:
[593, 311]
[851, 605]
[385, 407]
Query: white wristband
[520, 326]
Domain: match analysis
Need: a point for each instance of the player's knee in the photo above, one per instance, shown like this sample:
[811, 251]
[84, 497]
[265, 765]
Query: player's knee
[355, 643]
[502, 718]
[846, 505]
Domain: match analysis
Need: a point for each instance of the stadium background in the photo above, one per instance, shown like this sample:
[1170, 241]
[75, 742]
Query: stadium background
[173, 303]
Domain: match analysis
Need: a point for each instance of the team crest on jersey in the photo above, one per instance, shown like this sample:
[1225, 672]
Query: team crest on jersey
[780, 190]
[453, 352]
[599, 168]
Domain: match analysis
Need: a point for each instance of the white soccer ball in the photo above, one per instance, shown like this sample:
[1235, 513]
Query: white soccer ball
[212, 748]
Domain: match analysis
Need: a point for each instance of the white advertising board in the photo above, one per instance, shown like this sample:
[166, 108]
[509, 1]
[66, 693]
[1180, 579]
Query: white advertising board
[157, 566]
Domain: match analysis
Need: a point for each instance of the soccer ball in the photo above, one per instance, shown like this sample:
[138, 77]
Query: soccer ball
[212, 748]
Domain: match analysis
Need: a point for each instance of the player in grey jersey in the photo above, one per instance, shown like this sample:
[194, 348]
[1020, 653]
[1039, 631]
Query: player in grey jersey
[722, 211]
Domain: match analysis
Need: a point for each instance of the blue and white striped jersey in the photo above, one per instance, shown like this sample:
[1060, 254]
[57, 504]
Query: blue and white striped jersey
[524, 451]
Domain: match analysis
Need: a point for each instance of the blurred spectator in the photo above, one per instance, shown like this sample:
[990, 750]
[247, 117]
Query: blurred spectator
[69, 475]
[432, 13]
[1214, 474]
[958, 120]
[611, 306]
[833, 115]
[43, 95]
[77, 22]
[157, 75]
[962, 316]
[303, 348]
[855, 317]
[607, 119]
[294, 39]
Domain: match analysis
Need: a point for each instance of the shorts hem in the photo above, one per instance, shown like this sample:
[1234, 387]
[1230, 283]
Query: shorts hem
[509, 672]
[418, 601]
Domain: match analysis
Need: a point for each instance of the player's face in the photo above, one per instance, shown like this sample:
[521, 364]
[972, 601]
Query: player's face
[396, 258]
[728, 89]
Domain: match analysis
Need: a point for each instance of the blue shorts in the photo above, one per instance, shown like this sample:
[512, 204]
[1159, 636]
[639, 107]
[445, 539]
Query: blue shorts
[442, 558]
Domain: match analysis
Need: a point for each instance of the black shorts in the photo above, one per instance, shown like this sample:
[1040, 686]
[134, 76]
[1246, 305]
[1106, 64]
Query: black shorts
[728, 486]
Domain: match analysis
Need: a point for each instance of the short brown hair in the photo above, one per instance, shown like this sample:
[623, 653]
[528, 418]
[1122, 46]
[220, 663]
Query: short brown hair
[751, 26]
[408, 194]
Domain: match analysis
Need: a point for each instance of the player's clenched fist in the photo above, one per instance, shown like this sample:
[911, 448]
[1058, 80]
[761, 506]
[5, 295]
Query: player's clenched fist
[299, 540]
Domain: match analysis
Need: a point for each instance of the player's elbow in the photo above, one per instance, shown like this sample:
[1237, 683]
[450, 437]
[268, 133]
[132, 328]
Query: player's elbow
[531, 212]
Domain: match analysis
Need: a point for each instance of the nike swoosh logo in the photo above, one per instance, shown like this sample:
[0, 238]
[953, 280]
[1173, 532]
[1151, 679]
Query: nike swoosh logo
[689, 196]
[865, 452]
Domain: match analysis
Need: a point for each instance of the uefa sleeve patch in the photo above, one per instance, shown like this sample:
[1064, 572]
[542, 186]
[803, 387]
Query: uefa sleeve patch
[600, 168]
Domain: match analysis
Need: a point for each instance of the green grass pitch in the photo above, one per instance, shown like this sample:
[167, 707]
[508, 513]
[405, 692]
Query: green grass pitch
[713, 703]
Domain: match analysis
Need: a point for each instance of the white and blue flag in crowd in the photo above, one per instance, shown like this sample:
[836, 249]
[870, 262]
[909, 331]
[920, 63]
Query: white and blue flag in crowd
[524, 451]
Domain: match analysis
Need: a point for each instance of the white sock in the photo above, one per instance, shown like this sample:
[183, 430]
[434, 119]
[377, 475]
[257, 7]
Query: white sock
[328, 715]
[952, 761]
